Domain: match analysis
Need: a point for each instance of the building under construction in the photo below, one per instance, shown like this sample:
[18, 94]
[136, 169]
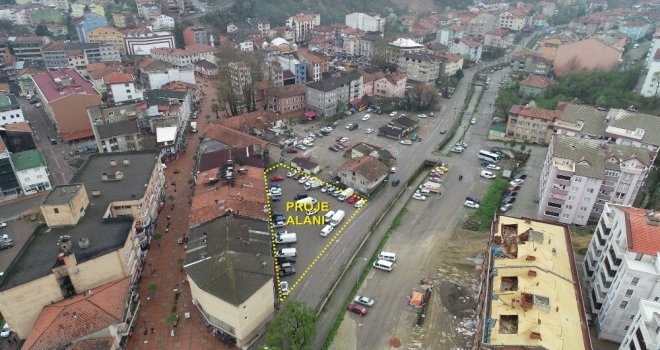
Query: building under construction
[530, 296]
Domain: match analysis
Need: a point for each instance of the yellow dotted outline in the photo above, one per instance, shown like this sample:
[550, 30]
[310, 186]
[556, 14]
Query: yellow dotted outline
[272, 228]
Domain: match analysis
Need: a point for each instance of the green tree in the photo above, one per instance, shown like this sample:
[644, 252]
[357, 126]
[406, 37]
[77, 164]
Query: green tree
[178, 34]
[459, 74]
[42, 30]
[86, 9]
[216, 108]
[293, 327]
[152, 288]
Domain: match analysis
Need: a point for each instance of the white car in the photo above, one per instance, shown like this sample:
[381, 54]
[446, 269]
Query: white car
[516, 182]
[419, 196]
[457, 149]
[487, 174]
[359, 204]
[369, 131]
[405, 142]
[312, 212]
[301, 147]
[493, 167]
[276, 191]
[506, 207]
[393, 114]
[471, 204]
[366, 117]
[290, 174]
[422, 116]
[3, 224]
[6, 331]
[284, 287]
[361, 299]
[308, 143]
[303, 179]
[326, 230]
[473, 121]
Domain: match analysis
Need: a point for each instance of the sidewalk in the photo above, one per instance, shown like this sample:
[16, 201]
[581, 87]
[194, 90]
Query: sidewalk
[163, 267]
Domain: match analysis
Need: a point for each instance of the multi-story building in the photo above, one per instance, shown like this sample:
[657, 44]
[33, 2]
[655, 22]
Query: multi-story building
[121, 87]
[451, 63]
[169, 111]
[420, 67]
[195, 35]
[240, 77]
[31, 171]
[25, 82]
[396, 49]
[297, 69]
[530, 293]
[391, 85]
[530, 124]
[65, 95]
[181, 57]
[10, 110]
[469, 49]
[314, 64]
[446, 34]
[155, 73]
[28, 49]
[273, 72]
[644, 332]
[369, 77]
[478, 26]
[515, 20]
[365, 22]
[108, 36]
[162, 22]
[286, 99]
[117, 126]
[140, 41]
[580, 175]
[98, 229]
[148, 9]
[651, 86]
[622, 268]
[60, 54]
[629, 128]
[364, 174]
[325, 96]
[499, 38]
[528, 62]
[9, 186]
[534, 85]
[302, 25]
[634, 30]
[87, 22]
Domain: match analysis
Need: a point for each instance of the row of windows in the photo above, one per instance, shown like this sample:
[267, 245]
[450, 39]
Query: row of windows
[11, 116]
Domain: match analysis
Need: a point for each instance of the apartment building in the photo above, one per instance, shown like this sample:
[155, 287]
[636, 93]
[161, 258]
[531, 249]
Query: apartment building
[478, 26]
[286, 99]
[28, 49]
[651, 86]
[515, 20]
[391, 85]
[469, 49]
[534, 85]
[420, 67]
[107, 36]
[530, 296]
[121, 87]
[365, 22]
[323, 97]
[499, 38]
[302, 25]
[10, 110]
[98, 228]
[644, 332]
[116, 126]
[580, 175]
[622, 268]
[181, 57]
[530, 124]
[156, 73]
[364, 174]
[400, 46]
[87, 22]
[529, 62]
[314, 64]
[31, 171]
[628, 128]
[240, 77]
[451, 63]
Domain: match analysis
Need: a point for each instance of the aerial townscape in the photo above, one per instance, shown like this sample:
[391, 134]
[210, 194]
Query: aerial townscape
[477, 175]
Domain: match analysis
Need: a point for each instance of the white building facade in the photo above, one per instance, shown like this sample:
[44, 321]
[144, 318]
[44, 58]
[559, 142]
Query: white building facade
[651, 86]
[622, 268]
[365, 22]
[10, 110]
[644, 332]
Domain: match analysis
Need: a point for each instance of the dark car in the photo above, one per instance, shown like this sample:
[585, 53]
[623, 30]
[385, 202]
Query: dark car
[296, 176]
[521, 176]
[353, 126]
[287, 270]
[358, 309]
[291, 150]
[333, 148]
[286, 259]
[508, 200]
[300, 196]
[275, 198]
[485, 164]
[470, 198]
[510, 194]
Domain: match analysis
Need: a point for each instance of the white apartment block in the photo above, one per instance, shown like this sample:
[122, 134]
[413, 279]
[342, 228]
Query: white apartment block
[302, 25]
[644, 332]
[365, 22]
[622, 268]
[655, 46]
[651, 86]
[580, 175]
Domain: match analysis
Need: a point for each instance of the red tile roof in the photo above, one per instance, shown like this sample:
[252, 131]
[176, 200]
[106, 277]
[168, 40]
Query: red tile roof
[539, 113]
[63, 322]
[253, 120]
[72, 83]
[368, 167]
[118, 78]
[232, 137]
[643, 237]
[537, 81]
[21, 127]
[77, 135]
[165, 51]
[200, 48]
[93, 344]
[470, 42]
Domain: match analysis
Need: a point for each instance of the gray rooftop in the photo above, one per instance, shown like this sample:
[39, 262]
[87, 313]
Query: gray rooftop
[62, 194]
[8, 103]
[39, 255]
[125, 127]
[593, 119]
[631, 121]
[590, 155]
[333, 83]
[232, 260]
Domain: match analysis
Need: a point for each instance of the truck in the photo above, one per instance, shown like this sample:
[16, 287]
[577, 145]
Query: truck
[193, 127]
[433, 187]
[345, 194]
[286, 238]
[337, 218]
[311, 185]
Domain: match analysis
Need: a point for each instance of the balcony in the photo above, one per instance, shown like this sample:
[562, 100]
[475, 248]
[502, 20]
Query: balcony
[556, 196]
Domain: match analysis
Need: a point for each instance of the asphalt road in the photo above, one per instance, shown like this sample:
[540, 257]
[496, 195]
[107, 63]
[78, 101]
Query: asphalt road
[43, 129]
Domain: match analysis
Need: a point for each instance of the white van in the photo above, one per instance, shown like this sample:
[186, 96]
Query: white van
[328, 216]
[286, 252]
[345, 194]
[387, 256]
[306, 200]
[326, 230]
[287, 237]
[383, 265]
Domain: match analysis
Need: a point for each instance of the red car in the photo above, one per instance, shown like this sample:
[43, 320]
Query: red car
[513, 188]
[291, 150]
[276, 178]
[352, 199]
[358, 309]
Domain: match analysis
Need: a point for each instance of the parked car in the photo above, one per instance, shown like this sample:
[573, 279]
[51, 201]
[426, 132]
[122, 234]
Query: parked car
[352, 199]
[419, 196]
[471, 204]
[276, 178]
[366, 117]
[6, 331]
[284, 287]
[510, 194]
[303, 179]
[521, 176]
[405, 142]
[301, 147]
[422, 116]
[457, 149]
[3, 225]
[290, 174]
[506, 207]
[515, 182]
[360, 299]
[473, 121]
[359, 204]
[472, 199]
[493, 167]
[443, 131]
[393, 114]
[487, 174]
[287, 270]
[333, 148]
[291, 150]
[296, 176]
[357, 309]
[508, 200]
[369, 131]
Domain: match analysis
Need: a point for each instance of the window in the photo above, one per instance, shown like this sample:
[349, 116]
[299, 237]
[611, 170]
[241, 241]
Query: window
[632, 317]
[612, 173]
[571, 198]
[565, 216]
[583, 208]
[580, 217]
[623, 304]
[590, 190]
[569, 207]
[629, 293]
[635, 280]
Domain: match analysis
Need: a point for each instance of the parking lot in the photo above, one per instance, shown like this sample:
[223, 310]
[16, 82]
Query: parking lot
[19, 231]
[310, 244]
